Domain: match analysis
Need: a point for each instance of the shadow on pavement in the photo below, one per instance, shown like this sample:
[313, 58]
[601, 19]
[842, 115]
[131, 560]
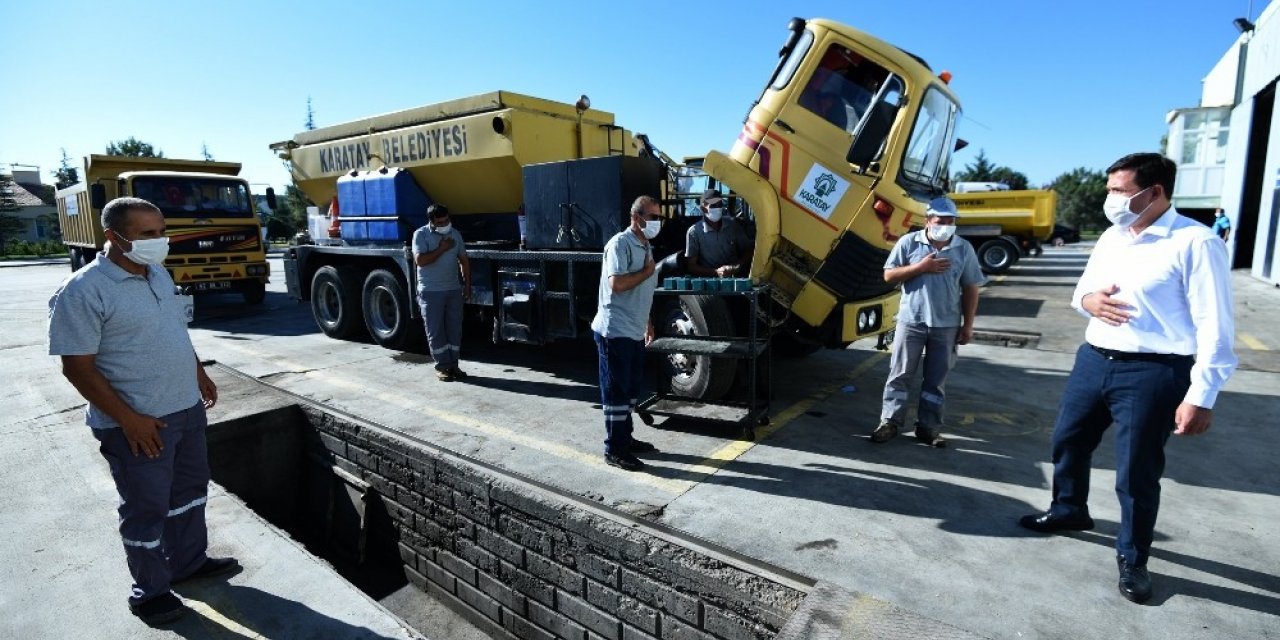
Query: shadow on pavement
[260, 612]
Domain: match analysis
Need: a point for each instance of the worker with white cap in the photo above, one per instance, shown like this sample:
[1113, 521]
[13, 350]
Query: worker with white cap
[939, 274]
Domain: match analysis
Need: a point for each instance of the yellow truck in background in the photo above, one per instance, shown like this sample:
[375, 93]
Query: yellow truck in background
[1005, 226]
[215, 235]
[847, 142]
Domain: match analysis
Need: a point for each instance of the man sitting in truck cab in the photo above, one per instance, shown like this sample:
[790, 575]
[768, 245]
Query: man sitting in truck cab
[716, 246]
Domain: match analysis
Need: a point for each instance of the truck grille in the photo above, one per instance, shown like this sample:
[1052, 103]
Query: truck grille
[854, 270]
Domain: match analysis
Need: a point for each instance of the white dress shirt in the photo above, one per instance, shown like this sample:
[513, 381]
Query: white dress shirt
[1176, 277]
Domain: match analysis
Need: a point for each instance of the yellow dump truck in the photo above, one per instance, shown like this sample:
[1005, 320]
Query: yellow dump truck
[849, 139]
[1005, 225]
[215, 236]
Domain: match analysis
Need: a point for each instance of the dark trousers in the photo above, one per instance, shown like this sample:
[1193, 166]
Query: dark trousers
[162, 502]
[442, 315]
[1141, 398]
[621, 375]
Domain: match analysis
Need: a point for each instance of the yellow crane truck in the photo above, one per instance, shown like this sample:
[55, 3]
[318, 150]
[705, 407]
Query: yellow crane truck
[848, 140]
[1003, 225]
[215, 236]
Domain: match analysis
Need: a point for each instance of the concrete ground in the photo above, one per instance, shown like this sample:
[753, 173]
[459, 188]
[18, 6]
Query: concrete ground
[932, 531]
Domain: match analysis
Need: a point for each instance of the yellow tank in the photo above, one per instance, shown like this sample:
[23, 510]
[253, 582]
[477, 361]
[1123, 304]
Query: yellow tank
[1021, 214]
[467, 153]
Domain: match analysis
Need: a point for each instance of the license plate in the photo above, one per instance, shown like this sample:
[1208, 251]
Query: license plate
[210, 286]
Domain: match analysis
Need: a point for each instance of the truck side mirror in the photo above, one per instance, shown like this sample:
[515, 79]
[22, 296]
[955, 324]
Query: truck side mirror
[871, 134]
[97, 195]
[271, 198]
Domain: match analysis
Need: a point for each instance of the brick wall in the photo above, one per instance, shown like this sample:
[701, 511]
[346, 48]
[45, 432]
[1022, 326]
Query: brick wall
[542, 565]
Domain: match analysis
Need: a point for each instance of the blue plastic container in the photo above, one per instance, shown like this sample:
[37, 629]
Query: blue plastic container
[389, 193]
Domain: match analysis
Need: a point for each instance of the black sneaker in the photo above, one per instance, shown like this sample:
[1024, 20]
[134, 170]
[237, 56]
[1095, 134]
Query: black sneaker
[444, 375]
[885, 432]
[626, 462]
[459, 373]
[640, 446]
[211, 567]
[159, 610]
[930, 437]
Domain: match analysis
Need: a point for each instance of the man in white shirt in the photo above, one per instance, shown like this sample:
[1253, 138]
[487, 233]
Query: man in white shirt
[1158, 350]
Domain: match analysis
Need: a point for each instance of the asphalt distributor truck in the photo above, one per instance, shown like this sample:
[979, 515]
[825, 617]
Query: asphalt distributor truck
[848, 140]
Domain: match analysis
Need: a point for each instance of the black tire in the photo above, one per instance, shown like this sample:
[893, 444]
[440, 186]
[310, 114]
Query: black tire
[77, 258]
[387, 315]
[254, 292]
[698, 377]
[996, 256]
[335, 301]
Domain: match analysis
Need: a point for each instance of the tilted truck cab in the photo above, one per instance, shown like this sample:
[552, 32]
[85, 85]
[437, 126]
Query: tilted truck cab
[837, 158]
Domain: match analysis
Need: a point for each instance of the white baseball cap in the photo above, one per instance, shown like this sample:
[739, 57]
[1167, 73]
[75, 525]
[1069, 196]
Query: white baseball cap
[942, 206]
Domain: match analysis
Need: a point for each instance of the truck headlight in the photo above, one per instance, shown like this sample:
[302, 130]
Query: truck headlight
[870, 319]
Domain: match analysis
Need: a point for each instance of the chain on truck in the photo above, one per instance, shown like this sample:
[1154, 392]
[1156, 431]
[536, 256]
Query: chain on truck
[215, 236]
[848, 140]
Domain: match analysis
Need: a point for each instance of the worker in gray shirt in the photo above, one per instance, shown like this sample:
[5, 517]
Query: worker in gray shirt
[716, 246]
[622, 328]
[121, 332]
[940, 277]
[444, 284]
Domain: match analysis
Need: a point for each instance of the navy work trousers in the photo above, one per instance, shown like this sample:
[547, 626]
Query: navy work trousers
[621, 376]
[442, 315]
[162, 501]
[1141, 398]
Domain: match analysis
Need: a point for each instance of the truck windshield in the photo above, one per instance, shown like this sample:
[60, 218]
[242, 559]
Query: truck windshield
[928, 157]
[195, 197]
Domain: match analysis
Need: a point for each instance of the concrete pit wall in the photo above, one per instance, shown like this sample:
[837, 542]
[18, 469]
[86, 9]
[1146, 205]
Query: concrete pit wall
[516, 557]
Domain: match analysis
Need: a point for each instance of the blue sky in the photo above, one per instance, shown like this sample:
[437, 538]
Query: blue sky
[1045, 86]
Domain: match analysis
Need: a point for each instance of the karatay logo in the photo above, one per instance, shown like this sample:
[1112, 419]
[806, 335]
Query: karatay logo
[820, 191]
[824, 185]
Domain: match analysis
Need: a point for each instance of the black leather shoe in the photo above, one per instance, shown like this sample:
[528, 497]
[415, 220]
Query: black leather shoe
[1135, 582]
[640, 446]
[626, 462]
[1048, 523]
[211, 567]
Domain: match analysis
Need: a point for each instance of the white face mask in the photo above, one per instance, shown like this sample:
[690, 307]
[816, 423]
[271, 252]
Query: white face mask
[651, 228]
[147, 250]
[942, 232]
[1117, 209]
[715, 214]
[443, 230]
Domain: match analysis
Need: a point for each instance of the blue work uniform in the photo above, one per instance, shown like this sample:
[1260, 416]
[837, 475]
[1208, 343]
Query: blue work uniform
[619, 327]
[135, 327]
[440, 295]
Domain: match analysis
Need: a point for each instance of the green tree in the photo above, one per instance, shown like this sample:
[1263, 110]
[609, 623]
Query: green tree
[984, 170]
[10, 225]
[66, 175]
[1081, 193]
[133, 148]
[204, 152]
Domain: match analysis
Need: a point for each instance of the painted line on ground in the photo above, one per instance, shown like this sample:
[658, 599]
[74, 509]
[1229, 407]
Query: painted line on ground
[732, 451]
[212, 615]
[1252, 342]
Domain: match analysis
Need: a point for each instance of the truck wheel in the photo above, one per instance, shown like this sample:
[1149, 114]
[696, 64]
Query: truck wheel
[996, 256]
[77, 258]
[385, 302]
[254, 292]
[335, 301]
[696, 376]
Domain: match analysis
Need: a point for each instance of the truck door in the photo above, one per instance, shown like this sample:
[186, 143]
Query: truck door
[814, 130]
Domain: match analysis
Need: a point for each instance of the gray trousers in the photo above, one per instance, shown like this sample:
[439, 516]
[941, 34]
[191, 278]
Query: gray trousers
[442, 313]
[910, 341]
[162, 501]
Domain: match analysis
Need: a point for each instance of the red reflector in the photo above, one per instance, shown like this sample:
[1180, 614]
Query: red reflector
[882, 206]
